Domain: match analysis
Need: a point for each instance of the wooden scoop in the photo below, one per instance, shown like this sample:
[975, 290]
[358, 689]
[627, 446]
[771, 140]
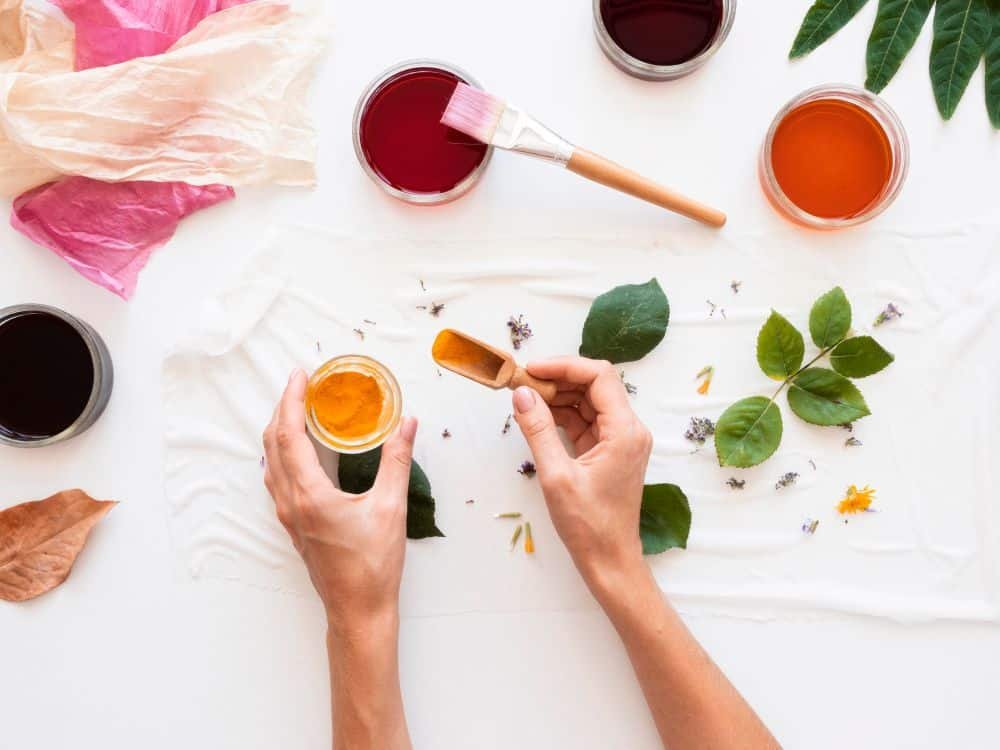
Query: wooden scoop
[485, 364]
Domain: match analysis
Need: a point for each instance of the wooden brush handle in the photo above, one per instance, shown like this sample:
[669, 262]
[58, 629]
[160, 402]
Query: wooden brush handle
[606, 172]
[545, 388]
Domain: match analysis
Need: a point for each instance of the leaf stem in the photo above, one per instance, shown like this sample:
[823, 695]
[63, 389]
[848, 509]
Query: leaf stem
[806, 366]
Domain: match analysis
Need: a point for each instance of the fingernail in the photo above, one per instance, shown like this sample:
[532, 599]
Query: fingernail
[294, 373]
[524, 399]
[408, 429]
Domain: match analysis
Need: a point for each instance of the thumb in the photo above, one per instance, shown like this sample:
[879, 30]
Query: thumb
[535, 420]
[393, 478]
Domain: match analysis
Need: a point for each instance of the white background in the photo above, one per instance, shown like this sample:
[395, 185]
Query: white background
[129, 652]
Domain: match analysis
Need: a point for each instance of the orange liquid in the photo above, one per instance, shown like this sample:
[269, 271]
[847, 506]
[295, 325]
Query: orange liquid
[831, 158]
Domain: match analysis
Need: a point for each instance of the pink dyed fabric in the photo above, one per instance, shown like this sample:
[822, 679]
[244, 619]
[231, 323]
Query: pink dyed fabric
[107, 231]
[112, 31]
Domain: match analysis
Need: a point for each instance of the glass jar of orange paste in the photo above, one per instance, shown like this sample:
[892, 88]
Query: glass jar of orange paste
[353, 404]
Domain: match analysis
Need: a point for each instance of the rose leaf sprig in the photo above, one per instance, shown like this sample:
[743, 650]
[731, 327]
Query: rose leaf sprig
[749, 431]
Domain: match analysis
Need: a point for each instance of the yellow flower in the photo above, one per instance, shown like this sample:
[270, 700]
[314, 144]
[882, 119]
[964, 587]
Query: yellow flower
[856, 500]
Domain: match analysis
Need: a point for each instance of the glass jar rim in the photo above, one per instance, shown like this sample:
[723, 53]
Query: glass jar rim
[94, 347]
[425, 199]
[887, 119]
[650, 71]
[349, 362]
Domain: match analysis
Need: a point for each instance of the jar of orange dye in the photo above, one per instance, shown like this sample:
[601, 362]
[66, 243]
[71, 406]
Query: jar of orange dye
[835, 156]
[353, 404]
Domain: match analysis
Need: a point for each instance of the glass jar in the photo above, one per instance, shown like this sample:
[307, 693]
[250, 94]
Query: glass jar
[886, 118]
[100, 390]
[639, 68]
[470, 167]
[388, 419]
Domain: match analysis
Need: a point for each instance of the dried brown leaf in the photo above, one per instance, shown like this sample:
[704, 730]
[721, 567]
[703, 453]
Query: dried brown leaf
[40, 540]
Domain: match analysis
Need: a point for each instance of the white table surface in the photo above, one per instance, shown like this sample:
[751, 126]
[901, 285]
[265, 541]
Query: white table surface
[130, 652]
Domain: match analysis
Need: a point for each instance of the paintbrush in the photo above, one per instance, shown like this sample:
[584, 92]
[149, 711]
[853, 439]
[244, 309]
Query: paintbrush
[482, 116]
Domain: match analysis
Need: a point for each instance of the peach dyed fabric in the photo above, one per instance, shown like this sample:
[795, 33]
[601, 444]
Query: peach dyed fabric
[226, 104]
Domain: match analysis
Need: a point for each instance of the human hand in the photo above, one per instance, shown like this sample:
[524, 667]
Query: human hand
[594, 497]
[353, 545]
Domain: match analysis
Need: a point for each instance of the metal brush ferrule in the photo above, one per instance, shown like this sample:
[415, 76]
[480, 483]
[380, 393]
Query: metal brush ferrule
[518, 131]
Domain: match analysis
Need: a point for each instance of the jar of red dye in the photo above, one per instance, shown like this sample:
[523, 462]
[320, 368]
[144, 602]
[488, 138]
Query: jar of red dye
[660, 40]
[401, 143]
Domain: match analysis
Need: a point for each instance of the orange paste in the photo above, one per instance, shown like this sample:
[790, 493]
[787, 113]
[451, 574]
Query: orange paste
[831, 158]
[347, 404]
[454, 351]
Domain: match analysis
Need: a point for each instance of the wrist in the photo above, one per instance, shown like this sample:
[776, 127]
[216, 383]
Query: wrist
[362, 626]
[613, 580]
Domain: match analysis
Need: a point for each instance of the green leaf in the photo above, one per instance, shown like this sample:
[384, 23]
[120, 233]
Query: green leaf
[748, 432]
[357, 475]
[859, 357]
[664, 518]
[626, 323]
[821, 396]
[897, 26]
[961, 31]
[830, 318]
[993, 67]
[780, 347]
[823, 20]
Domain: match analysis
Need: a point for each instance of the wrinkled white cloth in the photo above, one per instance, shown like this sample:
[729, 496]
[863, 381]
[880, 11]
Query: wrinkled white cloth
[226, 104]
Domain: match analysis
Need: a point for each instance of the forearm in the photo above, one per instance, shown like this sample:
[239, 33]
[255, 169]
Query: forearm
[692, 702]
[367, 704]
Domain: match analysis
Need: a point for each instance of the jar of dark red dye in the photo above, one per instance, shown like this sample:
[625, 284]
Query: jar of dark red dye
[660, 40]
[55, 376]
[401, 143]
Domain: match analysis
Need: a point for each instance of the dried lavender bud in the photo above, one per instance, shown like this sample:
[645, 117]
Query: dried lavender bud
[853, 442]
[361, 334]
[446, 433]
[736, 484]
[436, 308]
[520, 331]
[527, 469]
[506, 425]
[630, 389]
[700, 429]
[809, 526]
[787, 480]
[369, 322]
[735, 286]
[891, 312]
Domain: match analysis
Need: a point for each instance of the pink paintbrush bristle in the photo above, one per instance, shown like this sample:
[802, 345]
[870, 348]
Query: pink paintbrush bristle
[473, 112]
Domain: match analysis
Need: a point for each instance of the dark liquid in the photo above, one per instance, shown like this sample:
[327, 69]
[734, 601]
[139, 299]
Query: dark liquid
[662, 32]
[46, 376]
[404, 141]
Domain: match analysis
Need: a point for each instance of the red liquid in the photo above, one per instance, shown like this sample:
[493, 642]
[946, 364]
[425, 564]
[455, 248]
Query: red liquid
[662, 32]
[404, 141]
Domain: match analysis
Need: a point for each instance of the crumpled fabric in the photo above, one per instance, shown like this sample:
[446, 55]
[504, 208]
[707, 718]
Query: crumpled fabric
[226, 104]
[107, 232]
[113, 31]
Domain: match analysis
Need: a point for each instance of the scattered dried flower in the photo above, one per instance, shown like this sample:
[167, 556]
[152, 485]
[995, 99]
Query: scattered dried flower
[813, 464]
[506, 425]
[891, 312]
[856, 501]
[630, 389]
[263, 462]
[736, 484]
[713, 307]
[446, 433]
[470, 501]
[511, 514]
[787, 480]
[705, 375]
[853, 442]
[361, 334]
[370, 322]
[423, 287]
[516, 535]
[529, 540]
[527, 469]
[520, 331]
[700, 429]
[735, 286]
[809, 526]
[434, 308]
[318, 347]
